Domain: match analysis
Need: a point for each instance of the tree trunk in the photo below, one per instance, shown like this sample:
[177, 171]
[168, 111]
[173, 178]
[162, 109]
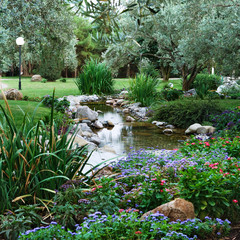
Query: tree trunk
[66, 73]
[166, 72]
[187, 82]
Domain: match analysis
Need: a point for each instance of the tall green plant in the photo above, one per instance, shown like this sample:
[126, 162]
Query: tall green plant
[95, 78]
[143, 89]
[35, 160]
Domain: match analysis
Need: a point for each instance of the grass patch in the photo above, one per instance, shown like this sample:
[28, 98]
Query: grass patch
[27, 107]
[39, 89]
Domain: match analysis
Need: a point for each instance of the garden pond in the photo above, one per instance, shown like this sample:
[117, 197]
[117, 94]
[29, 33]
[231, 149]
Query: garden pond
[125, 136]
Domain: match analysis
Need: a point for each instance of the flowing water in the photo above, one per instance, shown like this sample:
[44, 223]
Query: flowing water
[125, 136]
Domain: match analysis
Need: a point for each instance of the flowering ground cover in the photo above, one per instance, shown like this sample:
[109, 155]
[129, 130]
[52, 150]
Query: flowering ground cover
[204, 173]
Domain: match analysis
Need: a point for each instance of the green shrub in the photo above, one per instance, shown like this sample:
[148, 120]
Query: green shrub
[95, 78]
[143, 89]
[63, 80]
[170, 94]
[186, 112]
[44, 80]
[59, 106]
[211, 82]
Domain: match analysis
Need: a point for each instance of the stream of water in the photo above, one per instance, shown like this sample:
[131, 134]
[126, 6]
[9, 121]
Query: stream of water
[125, 136]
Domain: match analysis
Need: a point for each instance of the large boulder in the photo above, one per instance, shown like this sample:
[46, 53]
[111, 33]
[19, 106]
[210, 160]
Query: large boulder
[36, 78]
[13, 94]
[228, 86]
[174, 210]
[198, 128]
[193, 128]
[84, 112]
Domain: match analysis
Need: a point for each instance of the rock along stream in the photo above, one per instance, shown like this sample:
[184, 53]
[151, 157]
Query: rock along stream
[125, 136]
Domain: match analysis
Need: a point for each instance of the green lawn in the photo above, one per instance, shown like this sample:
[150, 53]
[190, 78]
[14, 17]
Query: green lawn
[27, 107]
[39, 89]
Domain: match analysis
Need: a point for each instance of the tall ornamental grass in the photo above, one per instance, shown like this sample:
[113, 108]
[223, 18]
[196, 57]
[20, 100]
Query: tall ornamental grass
[143, 89]
[95, 78]
[35, 160]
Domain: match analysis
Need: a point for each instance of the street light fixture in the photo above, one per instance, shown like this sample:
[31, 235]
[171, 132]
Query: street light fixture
[19, 42]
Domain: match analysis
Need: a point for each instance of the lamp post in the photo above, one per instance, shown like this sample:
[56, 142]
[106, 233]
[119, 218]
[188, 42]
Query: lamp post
[20, 42]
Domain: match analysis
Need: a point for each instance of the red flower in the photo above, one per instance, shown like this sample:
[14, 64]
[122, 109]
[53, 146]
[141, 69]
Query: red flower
[121, 210]
[207, 144]
[235, 201]
[153, 179]
[227, 142]
[138, 232]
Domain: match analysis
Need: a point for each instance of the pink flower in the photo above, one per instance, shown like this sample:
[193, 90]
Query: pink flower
[227, 142]
[221, 171]
[138, 232]
[121, 210]
[228, 158]
[161, 190]
[175, 149]
[163, 181]
[99, 186]
[207, 144]
[153, 179]
[200, 142]
[235, 201]
[167, 190]
[193, 143]
[93, 189]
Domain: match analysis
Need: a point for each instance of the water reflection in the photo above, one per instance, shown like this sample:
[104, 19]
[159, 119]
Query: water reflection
[137, 135]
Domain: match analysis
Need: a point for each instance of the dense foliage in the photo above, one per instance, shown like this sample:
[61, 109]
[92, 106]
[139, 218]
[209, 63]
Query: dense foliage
[143, 88]
[183, 113]
[96, 78]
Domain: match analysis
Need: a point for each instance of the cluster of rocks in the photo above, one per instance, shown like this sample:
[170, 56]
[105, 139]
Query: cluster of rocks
[75, 101]
[168, 128]
[228, 85]
[86, 119]
[134, 111]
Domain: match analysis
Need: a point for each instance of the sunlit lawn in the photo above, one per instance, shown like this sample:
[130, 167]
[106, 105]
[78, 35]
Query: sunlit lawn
[19, 108]
[39, 89]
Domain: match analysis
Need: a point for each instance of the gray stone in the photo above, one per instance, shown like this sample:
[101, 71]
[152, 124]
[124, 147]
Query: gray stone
[120, 101]
[201, 130]
[161, 124]
[85, 127]
[95, 139]
[193, 128]
[168, 131]
[97, 124]
[130, 119]
[84, 112]
[13, 94]
[154, 122]
[170, 126]
[210, 129]
[36, 78]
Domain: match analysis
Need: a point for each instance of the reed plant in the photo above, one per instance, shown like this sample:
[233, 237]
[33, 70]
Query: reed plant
[143, 89]
[95, 78]
[35, 160]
